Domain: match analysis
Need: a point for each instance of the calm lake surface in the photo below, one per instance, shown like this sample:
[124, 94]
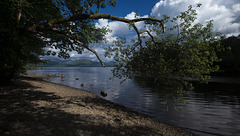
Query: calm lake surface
[212, 109]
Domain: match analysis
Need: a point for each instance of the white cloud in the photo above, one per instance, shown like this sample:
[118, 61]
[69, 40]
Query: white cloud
[236, 8]
[224, 13]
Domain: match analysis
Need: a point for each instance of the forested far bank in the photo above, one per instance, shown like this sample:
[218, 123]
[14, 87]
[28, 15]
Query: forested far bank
[74, 63]
[230, 64]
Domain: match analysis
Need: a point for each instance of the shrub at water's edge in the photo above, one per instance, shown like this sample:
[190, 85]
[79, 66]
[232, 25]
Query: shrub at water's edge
[186, 49]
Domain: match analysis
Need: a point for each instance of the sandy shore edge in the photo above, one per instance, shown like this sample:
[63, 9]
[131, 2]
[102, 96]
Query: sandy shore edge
[35, 107]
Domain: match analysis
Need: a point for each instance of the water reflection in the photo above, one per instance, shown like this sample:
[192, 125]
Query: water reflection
[213, 109]
[225, 93]
[217, 107]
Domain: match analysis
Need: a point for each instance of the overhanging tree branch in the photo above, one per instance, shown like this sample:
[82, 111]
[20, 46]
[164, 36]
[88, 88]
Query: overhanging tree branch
[107, 16]
[80, 43]
[40, 28]
[45, 27]
[104, 16]
[138, 33]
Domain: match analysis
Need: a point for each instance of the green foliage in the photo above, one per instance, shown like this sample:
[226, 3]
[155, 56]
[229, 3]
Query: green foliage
[20, 47]
[185, 50]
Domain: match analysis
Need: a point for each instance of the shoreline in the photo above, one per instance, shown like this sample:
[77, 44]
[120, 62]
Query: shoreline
[33, 106]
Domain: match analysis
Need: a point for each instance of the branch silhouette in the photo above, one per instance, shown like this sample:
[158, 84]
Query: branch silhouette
[41, 28]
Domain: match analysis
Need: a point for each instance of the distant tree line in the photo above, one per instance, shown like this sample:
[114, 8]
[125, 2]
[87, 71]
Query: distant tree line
[230, 63]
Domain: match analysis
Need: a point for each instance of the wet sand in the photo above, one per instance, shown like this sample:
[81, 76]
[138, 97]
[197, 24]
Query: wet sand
[33, 107]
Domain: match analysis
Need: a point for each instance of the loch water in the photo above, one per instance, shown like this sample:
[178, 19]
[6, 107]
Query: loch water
[212, 109]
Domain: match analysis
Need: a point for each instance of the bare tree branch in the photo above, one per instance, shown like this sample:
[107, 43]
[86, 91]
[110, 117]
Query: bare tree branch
[92, 50]
[20, 11]
[80, 43]
[138, 33]
[46, 27]
[40, 28]
[143, 31]
[104, 16]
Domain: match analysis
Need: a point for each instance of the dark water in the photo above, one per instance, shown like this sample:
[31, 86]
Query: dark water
[212, 109]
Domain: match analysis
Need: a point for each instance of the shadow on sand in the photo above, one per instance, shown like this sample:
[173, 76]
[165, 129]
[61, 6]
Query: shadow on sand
[20, 115]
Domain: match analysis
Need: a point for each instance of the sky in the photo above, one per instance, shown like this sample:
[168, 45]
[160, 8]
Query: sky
[225, 13]
[125, 7]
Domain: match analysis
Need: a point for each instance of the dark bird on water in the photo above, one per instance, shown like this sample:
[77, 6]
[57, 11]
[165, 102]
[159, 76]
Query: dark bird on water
[104, 94]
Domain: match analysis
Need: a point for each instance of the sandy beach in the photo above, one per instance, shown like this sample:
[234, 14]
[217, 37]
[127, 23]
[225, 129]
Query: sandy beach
[33, 107]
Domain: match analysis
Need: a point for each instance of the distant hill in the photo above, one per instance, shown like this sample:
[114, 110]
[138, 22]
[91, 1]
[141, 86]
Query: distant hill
[75, 63]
